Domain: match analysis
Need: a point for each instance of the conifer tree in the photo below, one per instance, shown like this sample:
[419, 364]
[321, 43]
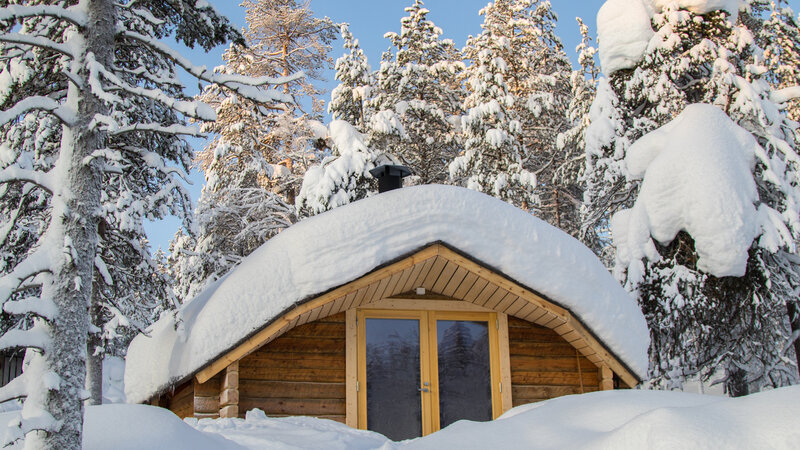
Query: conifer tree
[736, 324]
[348, 98]
[492, 128]
[416, 99]
[780, 35]
[255, 163]
[90, 115]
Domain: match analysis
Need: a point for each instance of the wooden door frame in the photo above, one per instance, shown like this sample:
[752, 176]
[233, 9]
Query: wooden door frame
[427, 312]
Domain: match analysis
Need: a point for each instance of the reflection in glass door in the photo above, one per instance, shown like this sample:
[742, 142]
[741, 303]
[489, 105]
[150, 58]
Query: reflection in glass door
[464, 371]
[393, 377]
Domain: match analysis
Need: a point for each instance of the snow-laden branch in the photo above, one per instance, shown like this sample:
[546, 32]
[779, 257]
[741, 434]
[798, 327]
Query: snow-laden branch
[35, 264]
[241, 84]
[786, 94]
[33, 338]
[194, 109]
[15, 173]
[15, 389]
[38, 103]
[158, 128]
[37, 41]
[42, 307]
[12, 12]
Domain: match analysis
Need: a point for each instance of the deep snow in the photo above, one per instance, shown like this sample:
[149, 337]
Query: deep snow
[343, 244]
[619, 420]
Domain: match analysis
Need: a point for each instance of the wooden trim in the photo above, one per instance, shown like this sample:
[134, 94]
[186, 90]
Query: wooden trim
[440, 256]
[351, 368]
[606, 378]
[229, 392]
[424, 305]
[429, 372]
[624, 374]
[504, 355]
[501, 281]
[260, 338]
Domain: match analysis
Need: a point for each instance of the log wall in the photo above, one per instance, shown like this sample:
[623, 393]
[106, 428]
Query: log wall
[182, 401]
[544, 365]
[299, 373]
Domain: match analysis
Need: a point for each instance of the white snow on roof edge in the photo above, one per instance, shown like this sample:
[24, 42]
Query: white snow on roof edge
[342, 245]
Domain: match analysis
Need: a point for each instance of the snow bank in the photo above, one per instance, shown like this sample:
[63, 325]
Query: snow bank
[697, 177]
[341, 245]
[624, 27]
[618, 420]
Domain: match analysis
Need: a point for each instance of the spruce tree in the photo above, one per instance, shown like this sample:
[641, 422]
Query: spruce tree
[349, 97]
[416, 99]
[737, 325]
[492, 127]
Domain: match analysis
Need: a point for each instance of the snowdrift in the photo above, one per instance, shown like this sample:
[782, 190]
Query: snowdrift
[617, 420]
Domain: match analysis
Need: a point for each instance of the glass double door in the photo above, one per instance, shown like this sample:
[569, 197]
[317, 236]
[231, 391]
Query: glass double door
[420, 371]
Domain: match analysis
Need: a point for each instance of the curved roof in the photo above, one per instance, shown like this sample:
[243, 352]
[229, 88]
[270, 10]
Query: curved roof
[337, 247]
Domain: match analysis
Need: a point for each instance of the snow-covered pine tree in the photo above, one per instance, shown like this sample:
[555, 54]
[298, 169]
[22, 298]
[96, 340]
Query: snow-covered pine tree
[255, 163]
[702, 320]
[236, 213]
[283, 37]
[416, 99]
[343, 177]
[492, 129]
[780, 36]
[573, 141]
[90, 106]
[353, 73]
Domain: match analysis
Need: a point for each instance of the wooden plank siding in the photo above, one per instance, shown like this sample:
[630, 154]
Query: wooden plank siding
[181, 402]
[301, 372]
[544, 365]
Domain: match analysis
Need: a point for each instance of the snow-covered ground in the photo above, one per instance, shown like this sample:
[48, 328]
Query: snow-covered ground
[627, 419]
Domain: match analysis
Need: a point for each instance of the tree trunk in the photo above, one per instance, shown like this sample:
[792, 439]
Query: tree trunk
[74, 223]
[794, 320]
[94, 356]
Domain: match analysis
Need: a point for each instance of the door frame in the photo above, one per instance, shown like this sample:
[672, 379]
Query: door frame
[427, 312]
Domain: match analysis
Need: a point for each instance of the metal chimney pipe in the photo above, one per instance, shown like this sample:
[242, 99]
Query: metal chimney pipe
[390, 176]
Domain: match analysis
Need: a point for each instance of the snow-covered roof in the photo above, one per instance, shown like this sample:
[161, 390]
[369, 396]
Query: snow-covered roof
[339, 246]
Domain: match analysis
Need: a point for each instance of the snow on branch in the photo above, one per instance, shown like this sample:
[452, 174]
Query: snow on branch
[35, 264]
[193, 109]
[13, 12]
[15, 173]
[786, 94]
[42, 307]
[241, 84]
[15, 389]
[37, 41]
[38, 103]
[33, 338]
[158, 128]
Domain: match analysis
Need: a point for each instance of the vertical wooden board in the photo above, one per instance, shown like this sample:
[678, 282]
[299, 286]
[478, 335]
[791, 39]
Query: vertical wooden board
[314, 314]
[444, 278]
[433, 274]
[606, 378]
[476, 290]
[370, 294]
[325, 310]
[465, 285]
[455, 281]
[351, 369]
[302, 319]
[505, 362]
[358, 299]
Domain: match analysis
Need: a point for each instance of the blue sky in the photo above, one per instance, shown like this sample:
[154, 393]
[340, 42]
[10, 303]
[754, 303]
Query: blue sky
[369, 20]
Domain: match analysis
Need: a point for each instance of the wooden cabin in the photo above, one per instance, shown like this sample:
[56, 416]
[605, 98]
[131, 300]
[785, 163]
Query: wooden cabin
[424, 339]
